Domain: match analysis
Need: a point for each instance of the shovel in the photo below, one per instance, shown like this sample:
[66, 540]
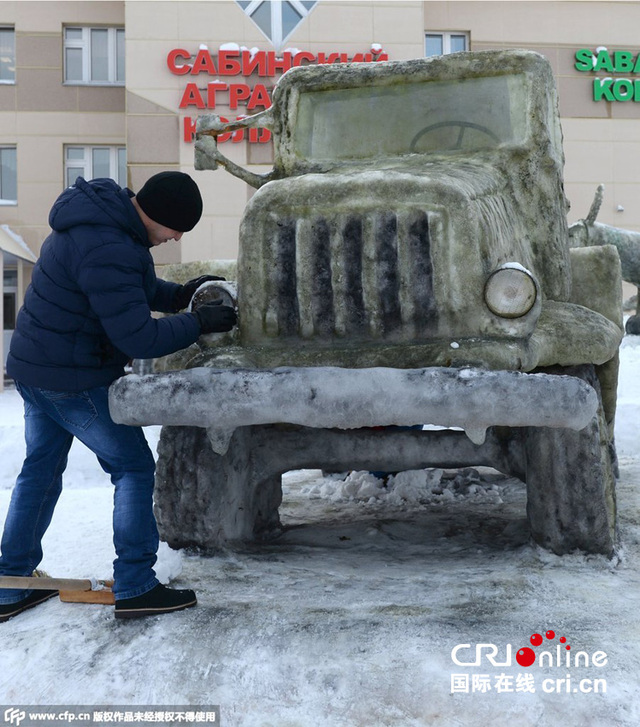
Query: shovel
[71, 590]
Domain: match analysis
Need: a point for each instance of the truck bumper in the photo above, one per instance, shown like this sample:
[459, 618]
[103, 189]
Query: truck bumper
[221, 400]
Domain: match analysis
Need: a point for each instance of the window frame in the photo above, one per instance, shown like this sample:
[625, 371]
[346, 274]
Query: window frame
[10, 81]
[249, 7]
[84, 44]
[9, 202]
[446, 36]
[87, 162]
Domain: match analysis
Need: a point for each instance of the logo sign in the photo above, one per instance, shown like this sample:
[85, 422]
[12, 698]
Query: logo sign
[553, 652]
[14, 716]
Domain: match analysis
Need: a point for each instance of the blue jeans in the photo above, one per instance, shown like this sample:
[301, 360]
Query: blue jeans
[52, 420]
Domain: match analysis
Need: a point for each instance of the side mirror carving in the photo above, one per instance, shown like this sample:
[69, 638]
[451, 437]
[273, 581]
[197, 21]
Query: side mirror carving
[207, 154]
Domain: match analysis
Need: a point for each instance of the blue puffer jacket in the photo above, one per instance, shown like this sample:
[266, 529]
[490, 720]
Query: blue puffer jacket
[87, 310]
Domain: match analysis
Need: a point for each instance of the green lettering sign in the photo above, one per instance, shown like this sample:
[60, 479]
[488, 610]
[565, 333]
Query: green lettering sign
[602, 90]
[584, 60]
[623, 89]
[620, 61]
[623, 61]
[603, 62]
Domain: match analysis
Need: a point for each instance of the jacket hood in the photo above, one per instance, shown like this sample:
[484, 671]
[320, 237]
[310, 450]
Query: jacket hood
[98, 202]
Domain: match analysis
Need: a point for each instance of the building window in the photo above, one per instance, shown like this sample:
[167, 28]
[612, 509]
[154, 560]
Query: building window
[10, 283]
[438, 44]
[8, 175]
[9, 308]
[7, 55]
[277, 19]
[92, 162]
[94, 56]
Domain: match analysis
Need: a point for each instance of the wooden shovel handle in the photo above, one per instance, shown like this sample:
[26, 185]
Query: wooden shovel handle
[49, 584]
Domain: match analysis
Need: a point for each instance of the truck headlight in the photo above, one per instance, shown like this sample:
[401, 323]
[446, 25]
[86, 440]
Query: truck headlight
[510, 291]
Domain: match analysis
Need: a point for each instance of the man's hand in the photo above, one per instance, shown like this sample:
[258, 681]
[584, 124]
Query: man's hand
[215, 317]
[183, 297]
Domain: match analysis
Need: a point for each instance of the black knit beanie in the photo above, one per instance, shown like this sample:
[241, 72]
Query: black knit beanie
[171, 199]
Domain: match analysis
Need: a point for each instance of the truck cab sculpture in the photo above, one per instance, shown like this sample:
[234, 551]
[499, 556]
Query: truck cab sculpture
[407, 261]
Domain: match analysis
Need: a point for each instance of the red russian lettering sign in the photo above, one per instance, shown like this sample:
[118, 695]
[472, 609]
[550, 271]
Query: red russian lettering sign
[234, 92]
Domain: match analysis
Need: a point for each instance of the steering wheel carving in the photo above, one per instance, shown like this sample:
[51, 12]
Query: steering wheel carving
[463, 125]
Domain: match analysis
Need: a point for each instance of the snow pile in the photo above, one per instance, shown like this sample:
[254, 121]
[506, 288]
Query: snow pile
[415, 487]
[169, 565]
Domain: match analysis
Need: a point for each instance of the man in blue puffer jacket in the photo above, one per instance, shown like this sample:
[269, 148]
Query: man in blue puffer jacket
[86, 313]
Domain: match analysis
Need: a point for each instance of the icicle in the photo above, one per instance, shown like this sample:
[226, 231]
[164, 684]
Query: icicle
[476, 434]
[220, 439]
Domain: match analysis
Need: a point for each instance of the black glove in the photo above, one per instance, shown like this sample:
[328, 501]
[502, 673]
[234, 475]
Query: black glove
[215, 317]
[182, 297]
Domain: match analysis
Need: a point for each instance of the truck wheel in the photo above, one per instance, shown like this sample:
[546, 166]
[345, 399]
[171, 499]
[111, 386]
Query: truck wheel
[207, 500]
[571, 502]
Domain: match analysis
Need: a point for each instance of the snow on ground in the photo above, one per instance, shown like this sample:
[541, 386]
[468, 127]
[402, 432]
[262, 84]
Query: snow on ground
[350, 618]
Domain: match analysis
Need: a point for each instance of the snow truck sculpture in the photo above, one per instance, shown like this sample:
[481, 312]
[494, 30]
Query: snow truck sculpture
[407, 261]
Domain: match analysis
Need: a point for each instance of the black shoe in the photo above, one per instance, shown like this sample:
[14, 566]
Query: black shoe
[9, 610]
[156, 601]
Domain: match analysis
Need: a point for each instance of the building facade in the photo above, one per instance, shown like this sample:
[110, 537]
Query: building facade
[114, 88]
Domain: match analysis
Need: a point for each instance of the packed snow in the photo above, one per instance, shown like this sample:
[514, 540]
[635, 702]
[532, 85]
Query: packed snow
[352, 617]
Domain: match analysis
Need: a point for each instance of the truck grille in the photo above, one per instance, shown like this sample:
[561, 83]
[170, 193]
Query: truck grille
[364, 276]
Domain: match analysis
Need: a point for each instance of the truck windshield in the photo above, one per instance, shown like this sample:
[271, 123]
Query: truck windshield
[421, 117]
